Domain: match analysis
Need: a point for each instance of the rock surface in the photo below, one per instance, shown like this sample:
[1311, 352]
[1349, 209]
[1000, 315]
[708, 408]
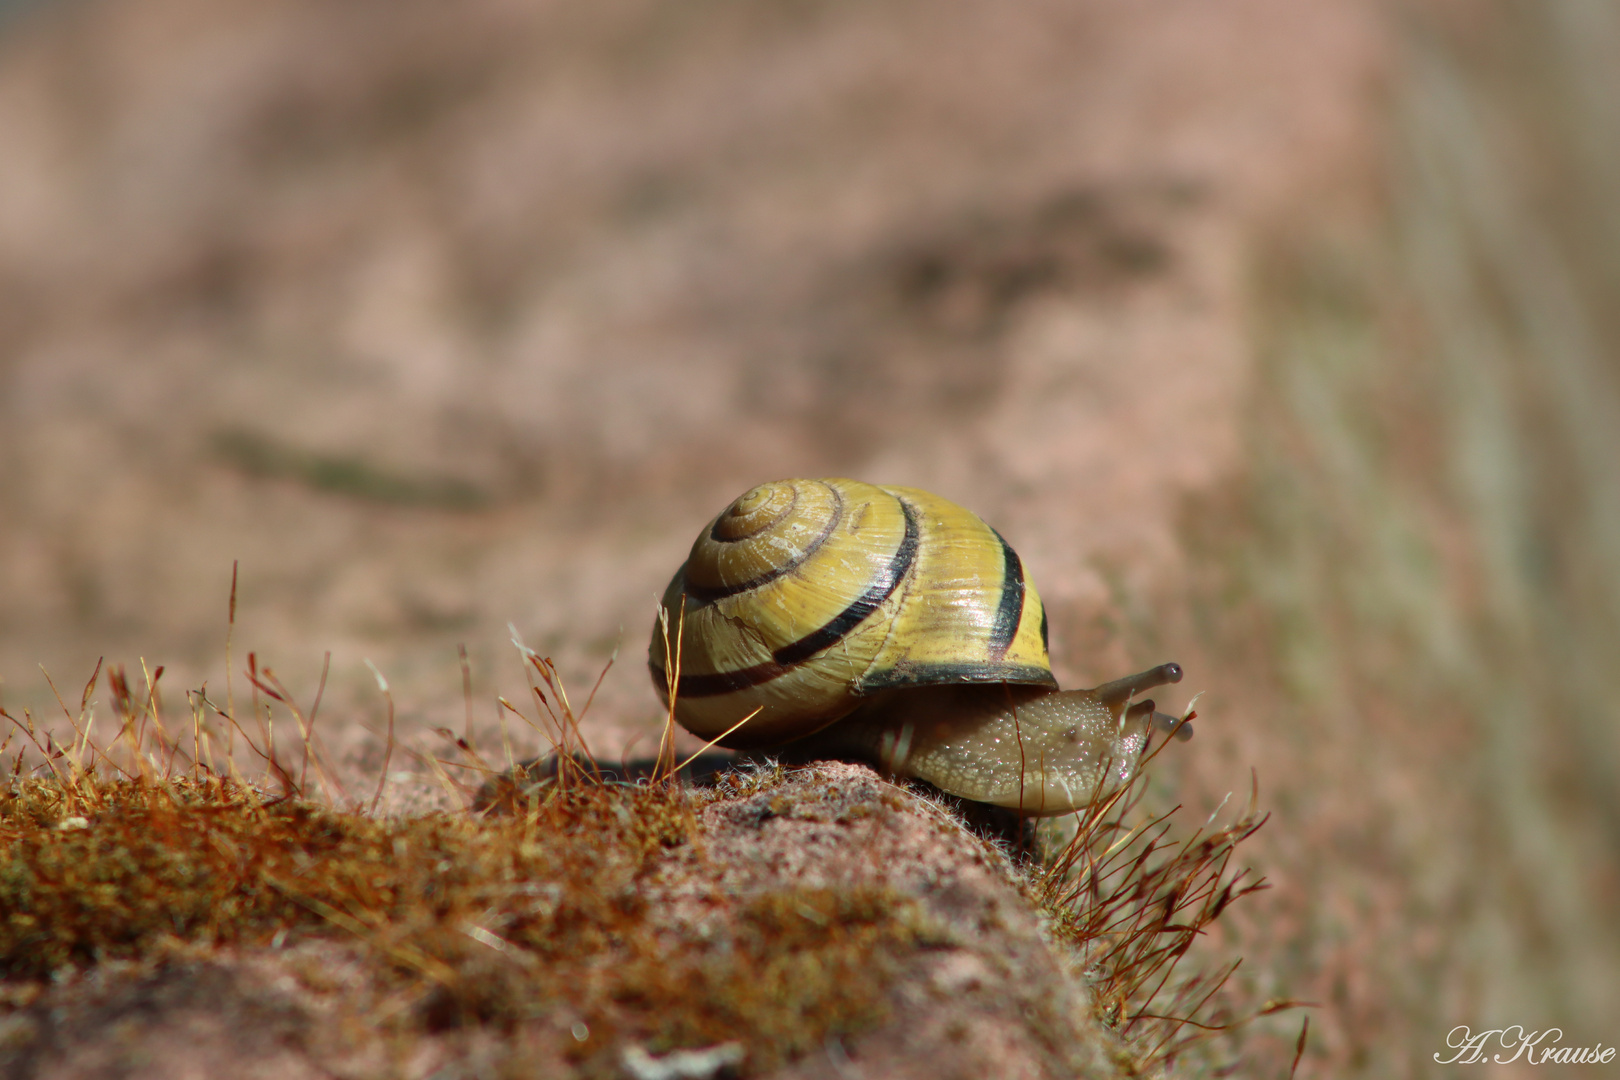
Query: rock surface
[985, 994]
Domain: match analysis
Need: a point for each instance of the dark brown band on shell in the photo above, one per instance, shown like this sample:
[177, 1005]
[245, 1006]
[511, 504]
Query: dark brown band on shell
[906, 673]
[1011, 609]
[835, 630]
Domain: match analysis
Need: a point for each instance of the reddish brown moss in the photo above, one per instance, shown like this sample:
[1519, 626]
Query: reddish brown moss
[489, 922]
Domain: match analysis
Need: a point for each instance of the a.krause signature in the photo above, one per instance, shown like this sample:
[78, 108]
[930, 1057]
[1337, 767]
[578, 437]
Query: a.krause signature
[1518, 1043]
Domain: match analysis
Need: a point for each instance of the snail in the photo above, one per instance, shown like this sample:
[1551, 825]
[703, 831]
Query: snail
[833, 618]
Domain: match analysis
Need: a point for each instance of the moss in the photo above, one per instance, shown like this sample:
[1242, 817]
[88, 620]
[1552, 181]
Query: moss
[574, 915]
[1129, 897]
[482, 921]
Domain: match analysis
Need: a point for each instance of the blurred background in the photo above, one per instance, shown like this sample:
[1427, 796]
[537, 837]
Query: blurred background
[1281, 340]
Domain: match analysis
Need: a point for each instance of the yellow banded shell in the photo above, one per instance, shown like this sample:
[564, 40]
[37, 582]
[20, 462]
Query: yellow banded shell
[805, 597]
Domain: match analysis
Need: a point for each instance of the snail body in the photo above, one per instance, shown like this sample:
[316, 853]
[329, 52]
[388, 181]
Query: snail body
[893, 626]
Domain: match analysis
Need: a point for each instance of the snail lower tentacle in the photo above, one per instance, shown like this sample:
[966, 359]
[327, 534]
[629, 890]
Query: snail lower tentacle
[1178, 726]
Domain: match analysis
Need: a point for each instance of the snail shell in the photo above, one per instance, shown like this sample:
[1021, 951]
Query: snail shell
[891, 625]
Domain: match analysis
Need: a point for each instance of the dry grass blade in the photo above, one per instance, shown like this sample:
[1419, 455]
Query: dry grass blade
[230, 634]
[388, 748]
[712, 743]
[672, 673]
[563, 730]
[265, 682]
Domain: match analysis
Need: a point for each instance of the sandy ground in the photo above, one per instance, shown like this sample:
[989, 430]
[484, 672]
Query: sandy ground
[542, 293]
